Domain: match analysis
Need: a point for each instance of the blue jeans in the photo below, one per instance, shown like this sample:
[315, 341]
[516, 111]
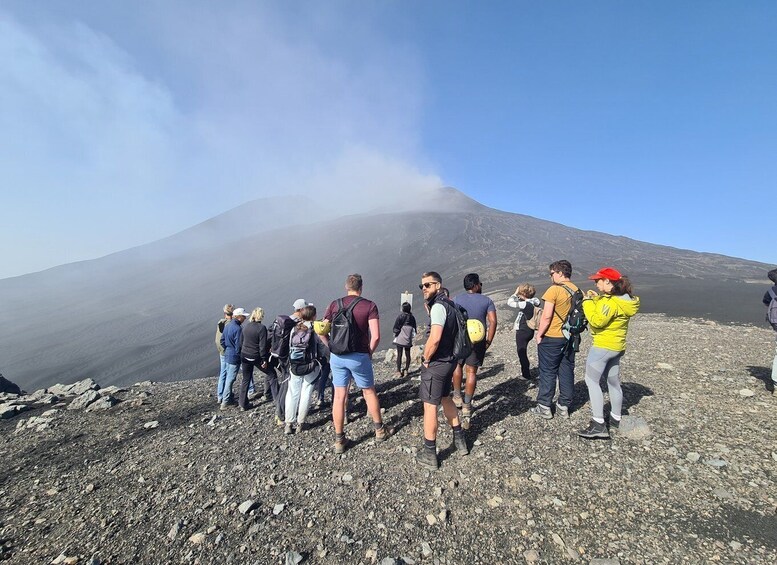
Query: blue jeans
[222, 377]
[226, 395]
[557, 362]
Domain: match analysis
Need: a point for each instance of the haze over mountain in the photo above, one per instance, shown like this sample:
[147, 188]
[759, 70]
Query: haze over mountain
[149, 312]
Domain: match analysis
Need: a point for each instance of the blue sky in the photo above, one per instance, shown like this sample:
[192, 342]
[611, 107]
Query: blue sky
[124, 122]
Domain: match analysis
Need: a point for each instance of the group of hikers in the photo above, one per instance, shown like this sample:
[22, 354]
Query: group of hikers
[299, 353]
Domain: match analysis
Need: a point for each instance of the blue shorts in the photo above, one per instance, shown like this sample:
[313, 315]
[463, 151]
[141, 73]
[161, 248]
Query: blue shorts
[356, 365]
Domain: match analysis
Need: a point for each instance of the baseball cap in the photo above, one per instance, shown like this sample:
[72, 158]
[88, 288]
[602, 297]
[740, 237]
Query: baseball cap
[240, 312]
[299, 304]
[606, 273]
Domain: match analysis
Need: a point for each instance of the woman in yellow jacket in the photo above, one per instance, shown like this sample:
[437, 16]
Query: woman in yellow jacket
[608, 317]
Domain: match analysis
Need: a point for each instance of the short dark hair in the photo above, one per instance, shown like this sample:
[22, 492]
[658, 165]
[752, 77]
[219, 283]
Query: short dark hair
[564, 267]
[354, 282]
[772, 275]
[406, 307]
[471, 281]
[445, 292]
[433, 274]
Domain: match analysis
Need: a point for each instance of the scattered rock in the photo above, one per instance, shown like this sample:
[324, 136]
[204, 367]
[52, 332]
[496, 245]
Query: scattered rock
[151, 425]
[293, 558]
[634, 427]
[198, 538]
[81, 387]
[746, 392]
[531, 556]
[247, 506]
[665, 366]
[715, 463]
[693, 457]
[278, 508]
[606, 561]
[174, 531]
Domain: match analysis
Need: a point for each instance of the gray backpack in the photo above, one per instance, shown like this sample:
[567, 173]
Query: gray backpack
[771, 310]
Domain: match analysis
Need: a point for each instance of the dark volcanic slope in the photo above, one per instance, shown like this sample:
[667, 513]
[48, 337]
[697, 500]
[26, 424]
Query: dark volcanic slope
[147, 314]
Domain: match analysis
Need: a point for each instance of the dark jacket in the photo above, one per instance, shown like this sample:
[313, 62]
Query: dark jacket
[445, 348]
[232, 341]
[255, 344]
[404, 319]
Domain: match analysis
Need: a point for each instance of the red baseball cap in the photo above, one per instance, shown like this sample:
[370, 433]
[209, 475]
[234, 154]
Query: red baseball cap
[606, 273]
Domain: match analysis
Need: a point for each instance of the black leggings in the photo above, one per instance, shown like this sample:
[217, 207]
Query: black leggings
[522, 339]
[400, 349]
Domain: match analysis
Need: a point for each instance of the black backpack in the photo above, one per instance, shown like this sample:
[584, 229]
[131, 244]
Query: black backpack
[575, 323]
[342, 336]
[280, 332]
[462, 344]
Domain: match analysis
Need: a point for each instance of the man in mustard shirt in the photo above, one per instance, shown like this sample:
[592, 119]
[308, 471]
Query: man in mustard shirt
[556, 357]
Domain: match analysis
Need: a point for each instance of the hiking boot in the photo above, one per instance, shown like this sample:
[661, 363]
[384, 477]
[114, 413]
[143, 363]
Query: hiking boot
[427, 458]
[278, 421]
[614, 424]
[562, 411]
[541, 411]
[460, 443]
[301, 428]
[288, 429]
[341, 446]
[384, 433]
[457, 400]
[224, 406]
[595, 430]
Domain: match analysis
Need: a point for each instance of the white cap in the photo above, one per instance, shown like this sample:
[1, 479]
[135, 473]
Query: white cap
[299, 304]
[239, 312]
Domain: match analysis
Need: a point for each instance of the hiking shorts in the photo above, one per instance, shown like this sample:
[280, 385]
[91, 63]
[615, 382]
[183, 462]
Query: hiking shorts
[436, 382]
[356, 365]
[475, 358]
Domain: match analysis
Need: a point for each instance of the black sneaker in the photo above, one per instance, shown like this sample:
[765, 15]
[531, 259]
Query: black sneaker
[614, 424]
[427, 458]
[460, 443]
[595, 430]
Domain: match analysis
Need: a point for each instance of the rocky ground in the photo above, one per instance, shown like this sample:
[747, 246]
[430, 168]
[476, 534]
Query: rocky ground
[156, 474]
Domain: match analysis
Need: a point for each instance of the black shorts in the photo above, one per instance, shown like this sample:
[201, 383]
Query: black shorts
[475, 358]
[436, 381]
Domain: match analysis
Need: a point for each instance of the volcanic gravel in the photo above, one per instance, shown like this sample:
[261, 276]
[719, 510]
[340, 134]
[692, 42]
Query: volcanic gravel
[156, 473]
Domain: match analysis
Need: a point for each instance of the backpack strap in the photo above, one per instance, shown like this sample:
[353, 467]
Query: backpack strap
[351, 306]
[571, 297]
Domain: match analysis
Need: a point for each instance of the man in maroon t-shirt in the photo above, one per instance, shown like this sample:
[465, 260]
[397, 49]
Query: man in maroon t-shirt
[356, 364]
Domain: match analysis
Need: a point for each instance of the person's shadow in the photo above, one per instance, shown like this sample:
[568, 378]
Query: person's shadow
[762, 374]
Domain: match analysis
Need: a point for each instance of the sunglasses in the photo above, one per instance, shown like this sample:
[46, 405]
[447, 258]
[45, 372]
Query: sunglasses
[426, 284]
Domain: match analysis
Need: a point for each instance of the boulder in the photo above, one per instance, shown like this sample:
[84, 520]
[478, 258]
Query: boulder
[111, 390]
[8, 386]
[11, 410]
[84, 400]
[103, 403]
[59, 390]
[81, 387]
